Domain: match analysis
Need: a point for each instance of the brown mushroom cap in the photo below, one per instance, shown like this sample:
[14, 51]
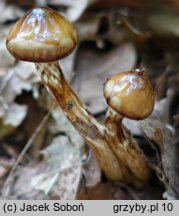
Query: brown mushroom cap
[41, 35]
[130, 94]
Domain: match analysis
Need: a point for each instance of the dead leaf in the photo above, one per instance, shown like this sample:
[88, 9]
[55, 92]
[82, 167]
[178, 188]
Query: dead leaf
[163, 22]
[9, 12]
[26, 71]
[91, 171]
[87, 27]
[6, 130]
[15, 114]
[101, 191]
[93, 68]
[12, 85]
[57, 175]
[5, 166]
[63, 125]
[67, 65]
[12, 115]
[162, 107]
[132, 126]
[161, 136]
[110, 191]
[74, 9]
[6, 59]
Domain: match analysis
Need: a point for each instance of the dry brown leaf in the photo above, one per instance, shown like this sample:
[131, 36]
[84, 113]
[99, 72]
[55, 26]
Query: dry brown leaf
[56, 176]
[87, 27]
[164, 139]
[101, 191]
[163, 23]
[93, 68]
[162, 107]
[109, 191]
[138, 4]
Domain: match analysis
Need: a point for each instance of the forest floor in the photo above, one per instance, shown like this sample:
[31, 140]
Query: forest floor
[41, 154]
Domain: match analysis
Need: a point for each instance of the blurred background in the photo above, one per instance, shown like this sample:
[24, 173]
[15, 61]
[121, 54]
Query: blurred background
[114, 36]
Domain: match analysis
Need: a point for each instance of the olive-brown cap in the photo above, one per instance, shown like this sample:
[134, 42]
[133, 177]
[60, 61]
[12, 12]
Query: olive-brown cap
[41, 35]
[130, 94]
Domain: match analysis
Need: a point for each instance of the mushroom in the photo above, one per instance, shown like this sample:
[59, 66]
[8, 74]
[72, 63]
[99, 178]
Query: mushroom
[43, 36]
[128, 94]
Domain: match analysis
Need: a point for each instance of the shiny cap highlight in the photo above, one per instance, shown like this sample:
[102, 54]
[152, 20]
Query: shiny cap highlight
[41, 35]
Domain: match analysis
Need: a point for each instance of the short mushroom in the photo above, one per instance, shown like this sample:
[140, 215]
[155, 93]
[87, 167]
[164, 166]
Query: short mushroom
[43, 36]
[128, 94]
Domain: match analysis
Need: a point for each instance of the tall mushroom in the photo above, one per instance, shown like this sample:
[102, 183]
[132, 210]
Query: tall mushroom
[129, 94]
[43, 36]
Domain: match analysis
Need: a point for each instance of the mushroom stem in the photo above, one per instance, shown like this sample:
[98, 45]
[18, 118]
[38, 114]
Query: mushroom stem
[124, 146]
[92, 132]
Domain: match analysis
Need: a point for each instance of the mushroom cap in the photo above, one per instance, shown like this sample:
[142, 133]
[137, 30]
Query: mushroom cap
[41, 35]
[130, 94]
